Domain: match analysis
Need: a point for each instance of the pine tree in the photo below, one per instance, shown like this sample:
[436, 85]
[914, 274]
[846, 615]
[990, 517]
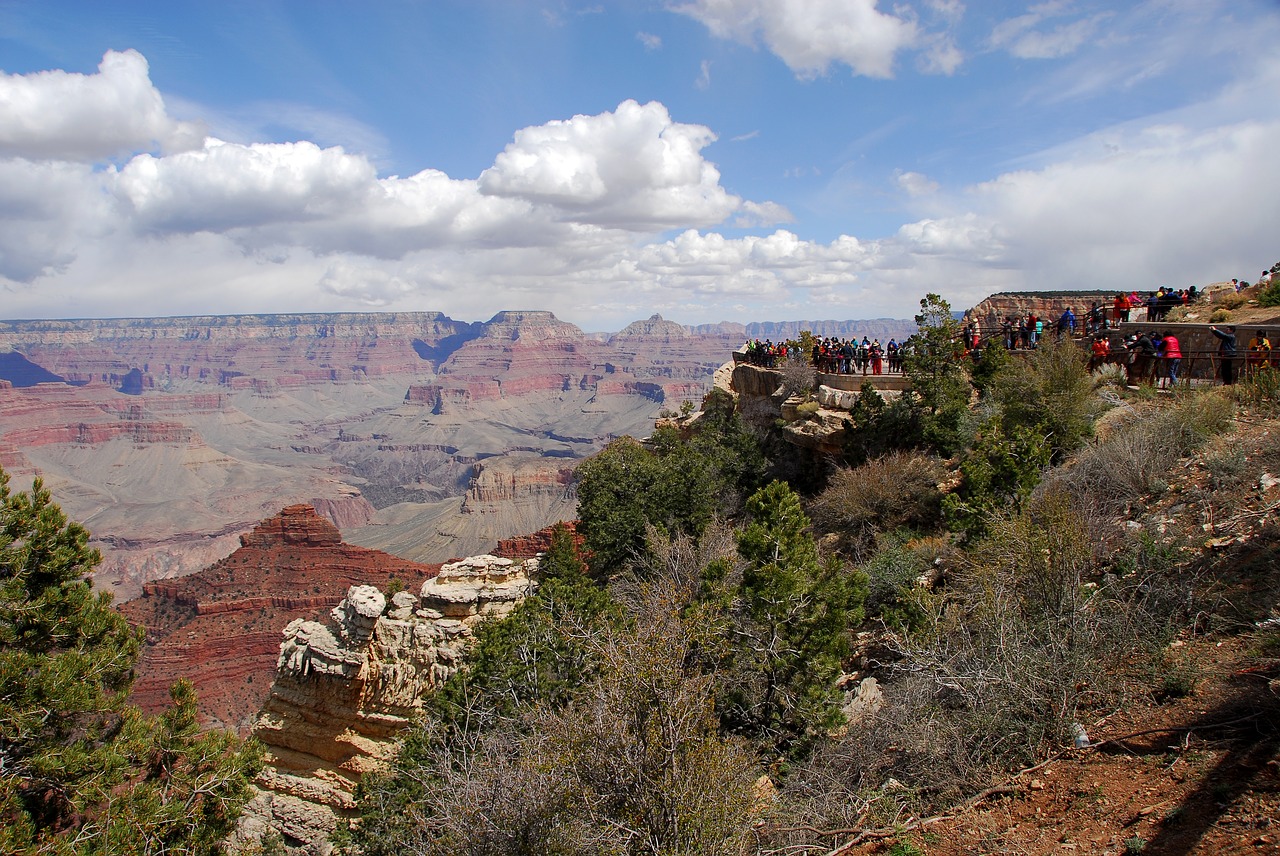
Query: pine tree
[81, 771]
[792, 626]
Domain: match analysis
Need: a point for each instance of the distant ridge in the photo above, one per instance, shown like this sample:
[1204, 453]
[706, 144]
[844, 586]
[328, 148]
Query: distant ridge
[877, 328]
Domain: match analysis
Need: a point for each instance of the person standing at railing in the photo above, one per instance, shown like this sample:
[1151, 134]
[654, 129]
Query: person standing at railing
[1098, 351]
[1259, 351]
[1142, 351]
[1171, 351]
[1122, 305]
[1226, 353]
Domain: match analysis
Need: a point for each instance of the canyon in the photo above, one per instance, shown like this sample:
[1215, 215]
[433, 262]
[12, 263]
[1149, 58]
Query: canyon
[414, 433]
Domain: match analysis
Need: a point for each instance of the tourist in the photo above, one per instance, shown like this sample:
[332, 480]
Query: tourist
[1122, 305]
[1226, 353]
[1259, 352]
[1098, 352]
[1171, 353]
[1142, 351]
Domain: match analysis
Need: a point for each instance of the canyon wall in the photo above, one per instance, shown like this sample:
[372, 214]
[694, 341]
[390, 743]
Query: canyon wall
[169, 438]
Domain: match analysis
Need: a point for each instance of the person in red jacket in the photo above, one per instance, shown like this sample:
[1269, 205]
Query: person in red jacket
[1171, 352]
[1098, 352]
[1122, 306]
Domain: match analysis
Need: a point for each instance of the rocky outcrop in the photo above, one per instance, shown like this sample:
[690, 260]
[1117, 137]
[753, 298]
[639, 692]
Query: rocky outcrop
[652, 329]
[1049, 305]
[344, 512]
[529, 546]
[755, 382]
[506, 481]
[346, 686]
[220, 627]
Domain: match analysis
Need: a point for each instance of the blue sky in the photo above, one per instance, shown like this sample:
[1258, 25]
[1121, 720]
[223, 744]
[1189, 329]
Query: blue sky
[706, 159]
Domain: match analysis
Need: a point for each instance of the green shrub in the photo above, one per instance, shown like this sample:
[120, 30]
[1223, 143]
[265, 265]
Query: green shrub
[1259, 389]
[1219, 315]
[892, 576]
[1270, 296]
[1051, 393]
[996, 475]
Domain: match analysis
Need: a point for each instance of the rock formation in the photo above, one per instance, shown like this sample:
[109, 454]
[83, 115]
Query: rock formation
[1049, 305]
[220, 627]
[347, 686]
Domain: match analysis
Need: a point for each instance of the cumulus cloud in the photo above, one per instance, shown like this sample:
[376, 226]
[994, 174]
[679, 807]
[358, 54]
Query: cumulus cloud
[810, 35]
[605, 218]
[47, 210]
[633, 168]
[914, 183]
[223, 186]
[89, 117]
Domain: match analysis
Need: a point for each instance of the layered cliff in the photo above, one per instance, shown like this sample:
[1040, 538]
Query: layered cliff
[1047, 305]
[176, 435]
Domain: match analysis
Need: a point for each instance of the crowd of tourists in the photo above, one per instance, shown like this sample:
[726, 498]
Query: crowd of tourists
[849, 356]
[832, 355]
[1149, 356]
[1026, 332]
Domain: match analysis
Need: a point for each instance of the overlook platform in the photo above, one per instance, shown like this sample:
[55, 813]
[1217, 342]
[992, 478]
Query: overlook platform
[852, 382]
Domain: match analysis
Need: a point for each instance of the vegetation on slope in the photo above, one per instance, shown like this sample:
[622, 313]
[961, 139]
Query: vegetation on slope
[984, 553]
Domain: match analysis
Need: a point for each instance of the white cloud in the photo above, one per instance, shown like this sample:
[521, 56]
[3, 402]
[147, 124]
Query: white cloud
[1021, 37]
[224, 185]
[914, 183]
[47, 210]
[810, 35]
[79, 117]
[368, 284]
[704, 75]
[940, 55]
[633, 168]
[609, 217]
[650, 41]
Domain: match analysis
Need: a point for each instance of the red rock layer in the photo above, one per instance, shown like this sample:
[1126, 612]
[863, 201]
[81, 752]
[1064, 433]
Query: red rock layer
[528, 546]
[220, 627]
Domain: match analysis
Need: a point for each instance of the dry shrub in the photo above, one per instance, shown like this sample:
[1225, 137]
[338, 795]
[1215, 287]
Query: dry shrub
[1140, 450]
[891, 492]
[634, 765]
[798, 376]
[1022, 643]
[1230, 300]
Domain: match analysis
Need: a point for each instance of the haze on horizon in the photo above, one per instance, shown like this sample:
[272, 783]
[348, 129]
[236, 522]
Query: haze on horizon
[710, 160]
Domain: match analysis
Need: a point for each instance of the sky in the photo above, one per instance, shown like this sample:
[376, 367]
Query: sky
[708, 160]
